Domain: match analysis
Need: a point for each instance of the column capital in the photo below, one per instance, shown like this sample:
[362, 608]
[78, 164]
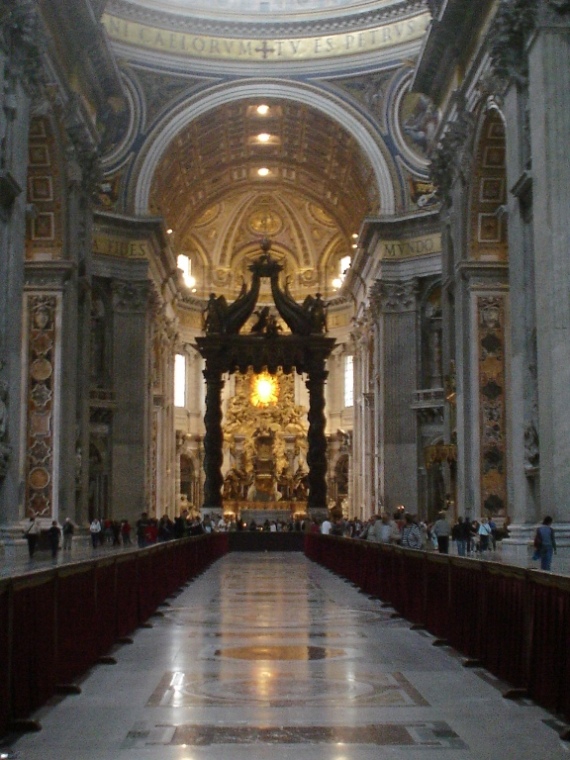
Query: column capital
[130, 296]
[398, 296]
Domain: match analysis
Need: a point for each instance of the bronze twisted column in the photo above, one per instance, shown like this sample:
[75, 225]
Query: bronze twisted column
[213, 438]
[317, 452]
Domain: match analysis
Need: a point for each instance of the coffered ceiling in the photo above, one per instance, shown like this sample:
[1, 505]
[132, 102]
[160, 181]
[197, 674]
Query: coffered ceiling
[234, 175]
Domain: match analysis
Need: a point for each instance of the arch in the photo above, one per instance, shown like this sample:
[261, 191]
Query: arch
[331, 106]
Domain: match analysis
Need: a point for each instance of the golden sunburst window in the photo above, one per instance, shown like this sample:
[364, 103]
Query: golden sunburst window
[264, 390]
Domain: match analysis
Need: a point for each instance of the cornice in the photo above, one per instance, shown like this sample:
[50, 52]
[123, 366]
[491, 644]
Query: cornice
[270, 28]
[450, 35]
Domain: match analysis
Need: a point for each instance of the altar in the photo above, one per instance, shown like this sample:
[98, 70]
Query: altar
[260, 511]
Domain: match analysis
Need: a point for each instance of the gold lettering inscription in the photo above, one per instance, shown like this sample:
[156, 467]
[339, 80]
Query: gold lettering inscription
[305, 48]
[403, 249]
[125, 249]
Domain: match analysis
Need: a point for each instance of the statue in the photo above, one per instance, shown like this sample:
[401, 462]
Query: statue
[316, 308]
[213, 314]
[261, 323]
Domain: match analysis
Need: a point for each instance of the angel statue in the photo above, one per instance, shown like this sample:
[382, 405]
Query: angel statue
[213, 314]
[316, 308]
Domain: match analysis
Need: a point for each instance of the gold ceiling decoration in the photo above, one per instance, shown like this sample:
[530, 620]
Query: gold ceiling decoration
[265, 222]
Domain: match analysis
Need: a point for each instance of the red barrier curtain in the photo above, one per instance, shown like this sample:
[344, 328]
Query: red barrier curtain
[76, 621]
[505, 623]
[548, 677]
[33, 662]
[127, 594]
[467, 623]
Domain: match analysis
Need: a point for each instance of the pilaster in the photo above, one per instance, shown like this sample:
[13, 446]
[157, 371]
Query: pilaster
[395, 303]
[131, 416]
[549, 109]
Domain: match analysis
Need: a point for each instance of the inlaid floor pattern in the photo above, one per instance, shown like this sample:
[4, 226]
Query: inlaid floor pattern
[268, 656]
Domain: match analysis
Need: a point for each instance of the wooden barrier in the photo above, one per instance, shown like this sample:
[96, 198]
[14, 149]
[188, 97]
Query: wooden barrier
[514, 621]
[55, 624]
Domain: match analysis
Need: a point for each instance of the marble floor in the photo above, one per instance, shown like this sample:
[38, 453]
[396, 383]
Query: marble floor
[270, 657]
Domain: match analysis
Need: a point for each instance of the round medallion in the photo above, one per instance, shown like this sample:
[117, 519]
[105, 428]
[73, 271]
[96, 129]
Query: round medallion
[209, 215]
[38, 478]
[41, 369]
[265, 222]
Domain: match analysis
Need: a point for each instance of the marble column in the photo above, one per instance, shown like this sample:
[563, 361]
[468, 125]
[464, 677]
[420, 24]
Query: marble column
[317, 452]
[213, 438]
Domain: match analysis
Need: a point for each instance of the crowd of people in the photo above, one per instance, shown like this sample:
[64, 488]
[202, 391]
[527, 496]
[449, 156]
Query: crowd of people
[469, 537]
[473, 538]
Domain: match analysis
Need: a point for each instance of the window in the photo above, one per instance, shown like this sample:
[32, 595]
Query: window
[183, 262]
[348, 381]
[180, 380]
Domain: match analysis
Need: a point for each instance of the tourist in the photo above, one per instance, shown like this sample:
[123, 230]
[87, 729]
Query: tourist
[95, 532]
[484, 535]
[411, 534]
[326, 526]
[441, 530]
[31, 534]
[68, 530]
[53, 534]
[545, 543]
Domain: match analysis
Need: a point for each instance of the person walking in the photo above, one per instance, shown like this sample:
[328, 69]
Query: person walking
[442, 530]
[95, 531]
[461, 534]
[545, 543]
[32, 534]
[484, 535]
[411, 533]
[68, 530]
[54, 534]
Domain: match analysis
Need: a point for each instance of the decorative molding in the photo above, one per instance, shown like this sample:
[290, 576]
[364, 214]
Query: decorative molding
[21, 33]
[513, 24]
[41, 404]
[450, 156]
[394, 297]
[277, 28]
[130, 297]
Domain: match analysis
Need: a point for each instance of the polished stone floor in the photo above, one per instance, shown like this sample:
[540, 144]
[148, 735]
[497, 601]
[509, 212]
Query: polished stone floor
[270, 657]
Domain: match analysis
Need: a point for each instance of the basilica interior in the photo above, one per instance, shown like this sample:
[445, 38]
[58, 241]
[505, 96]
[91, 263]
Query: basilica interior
[284, 258]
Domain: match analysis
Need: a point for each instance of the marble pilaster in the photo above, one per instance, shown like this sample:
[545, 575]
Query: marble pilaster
[131, 416]
[396, 308]
[549, 93]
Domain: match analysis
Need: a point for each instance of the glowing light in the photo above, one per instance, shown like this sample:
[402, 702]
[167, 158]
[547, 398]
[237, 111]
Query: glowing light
[262, 110]
[263, 137]
[355, 235]
[265, 390]
[263, 172]
[336, 283]
[355, 245]
[183, 262]
[169, 231]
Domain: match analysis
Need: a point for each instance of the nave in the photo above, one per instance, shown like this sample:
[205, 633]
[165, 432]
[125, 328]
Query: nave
[268, 655]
